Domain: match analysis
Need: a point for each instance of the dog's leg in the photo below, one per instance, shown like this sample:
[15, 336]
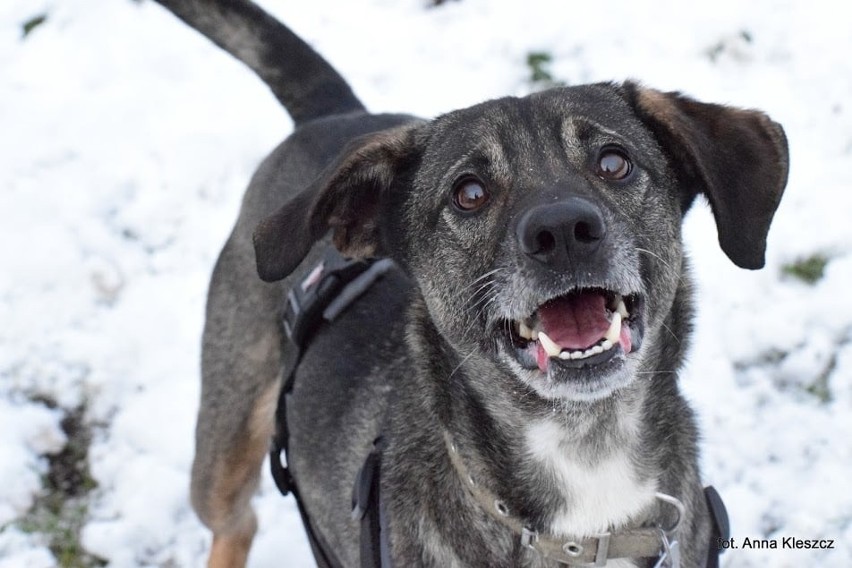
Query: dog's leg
[240, 383]
[225, 496]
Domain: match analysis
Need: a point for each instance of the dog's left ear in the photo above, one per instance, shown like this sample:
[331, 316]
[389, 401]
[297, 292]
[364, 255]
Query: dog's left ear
[737, 158]
[348, 198]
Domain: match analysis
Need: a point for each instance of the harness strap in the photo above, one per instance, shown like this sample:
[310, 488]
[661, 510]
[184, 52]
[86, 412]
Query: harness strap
[321, 297]
[367, 507]
[721, 526]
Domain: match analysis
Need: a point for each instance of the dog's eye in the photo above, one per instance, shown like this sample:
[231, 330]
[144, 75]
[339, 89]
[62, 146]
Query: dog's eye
[469, 194]
[613, 164]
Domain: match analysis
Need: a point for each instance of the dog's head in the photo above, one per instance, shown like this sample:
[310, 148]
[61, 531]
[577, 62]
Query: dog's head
[544, 232]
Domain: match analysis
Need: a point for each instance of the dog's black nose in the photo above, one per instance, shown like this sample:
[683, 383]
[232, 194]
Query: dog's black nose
[561, 233]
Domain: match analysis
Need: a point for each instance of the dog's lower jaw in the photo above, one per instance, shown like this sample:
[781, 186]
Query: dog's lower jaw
[617, 373]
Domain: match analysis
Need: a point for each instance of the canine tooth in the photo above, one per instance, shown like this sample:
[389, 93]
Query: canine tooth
[524, 331]
[622, 308]
[550, 347]
[614, 331]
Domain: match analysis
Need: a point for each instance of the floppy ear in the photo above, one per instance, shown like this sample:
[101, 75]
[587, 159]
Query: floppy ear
[737, 158]
[346, 197]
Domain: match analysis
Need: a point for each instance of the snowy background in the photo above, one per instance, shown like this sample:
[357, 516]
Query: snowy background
[126, 141]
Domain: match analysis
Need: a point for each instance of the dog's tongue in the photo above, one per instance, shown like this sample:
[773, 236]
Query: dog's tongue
[575, 322]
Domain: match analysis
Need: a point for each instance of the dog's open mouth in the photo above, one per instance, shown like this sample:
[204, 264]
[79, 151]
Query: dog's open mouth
[583, 328]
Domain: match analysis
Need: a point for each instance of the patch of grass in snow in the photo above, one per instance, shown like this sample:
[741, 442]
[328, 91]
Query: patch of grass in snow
[61, 510]
[735, 46]
[820, 387]
[539, 66]
[809, 270]
[31, 24]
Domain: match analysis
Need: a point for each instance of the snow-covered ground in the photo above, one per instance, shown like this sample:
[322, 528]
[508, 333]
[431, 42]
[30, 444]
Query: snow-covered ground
[126, 140]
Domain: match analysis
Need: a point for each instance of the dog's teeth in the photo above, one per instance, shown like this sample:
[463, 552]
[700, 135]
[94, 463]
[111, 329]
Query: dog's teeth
[553, 350]
[550, 347]
[621, 308]
[614, 331]
[525, 332]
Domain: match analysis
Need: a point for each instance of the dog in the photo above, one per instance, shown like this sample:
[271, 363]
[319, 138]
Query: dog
[520, 358]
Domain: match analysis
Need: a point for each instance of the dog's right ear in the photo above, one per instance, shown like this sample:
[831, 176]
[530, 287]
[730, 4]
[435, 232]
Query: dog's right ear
[346, 198]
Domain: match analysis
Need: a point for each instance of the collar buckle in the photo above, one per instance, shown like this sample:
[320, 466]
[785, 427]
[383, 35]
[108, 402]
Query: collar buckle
[529, 538]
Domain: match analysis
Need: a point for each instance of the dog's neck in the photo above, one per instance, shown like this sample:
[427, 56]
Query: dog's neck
[570, 468]
[577, 472]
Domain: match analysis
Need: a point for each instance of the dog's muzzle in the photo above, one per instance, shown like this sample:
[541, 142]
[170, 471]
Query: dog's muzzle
[585, 315]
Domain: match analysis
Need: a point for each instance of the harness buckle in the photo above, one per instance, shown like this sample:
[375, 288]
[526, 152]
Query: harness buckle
[305, 300]
[326, 291]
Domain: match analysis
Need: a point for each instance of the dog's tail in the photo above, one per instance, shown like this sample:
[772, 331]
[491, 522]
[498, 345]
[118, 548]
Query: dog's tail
[305, 83]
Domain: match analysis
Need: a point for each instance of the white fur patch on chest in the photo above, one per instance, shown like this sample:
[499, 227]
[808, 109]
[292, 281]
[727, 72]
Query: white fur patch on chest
[598, 496]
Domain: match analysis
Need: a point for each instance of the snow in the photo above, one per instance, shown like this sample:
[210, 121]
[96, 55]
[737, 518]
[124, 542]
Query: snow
[127, 140]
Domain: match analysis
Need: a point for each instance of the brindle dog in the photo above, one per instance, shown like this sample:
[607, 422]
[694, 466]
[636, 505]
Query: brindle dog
[526, 345]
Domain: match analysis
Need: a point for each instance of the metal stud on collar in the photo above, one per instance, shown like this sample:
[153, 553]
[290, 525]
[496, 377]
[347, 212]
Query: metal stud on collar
[572, 549]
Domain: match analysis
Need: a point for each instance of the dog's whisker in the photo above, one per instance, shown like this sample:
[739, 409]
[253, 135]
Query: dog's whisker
[673, 334]
[662, 261]
[483, 290]
[479, 313]
[483, 277]
[459, 366]
[655, 255]
[477, 307]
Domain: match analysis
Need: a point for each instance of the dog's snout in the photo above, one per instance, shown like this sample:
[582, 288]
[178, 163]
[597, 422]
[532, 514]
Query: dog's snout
[556, 233]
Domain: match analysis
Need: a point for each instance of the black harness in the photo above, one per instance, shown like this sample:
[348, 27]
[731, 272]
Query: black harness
[322, 296]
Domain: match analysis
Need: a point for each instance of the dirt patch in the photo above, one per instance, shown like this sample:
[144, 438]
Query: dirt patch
[61, 510]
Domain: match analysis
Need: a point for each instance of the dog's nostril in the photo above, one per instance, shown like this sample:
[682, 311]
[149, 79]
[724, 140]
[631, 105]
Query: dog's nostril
[583, 233]
[545, 242]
